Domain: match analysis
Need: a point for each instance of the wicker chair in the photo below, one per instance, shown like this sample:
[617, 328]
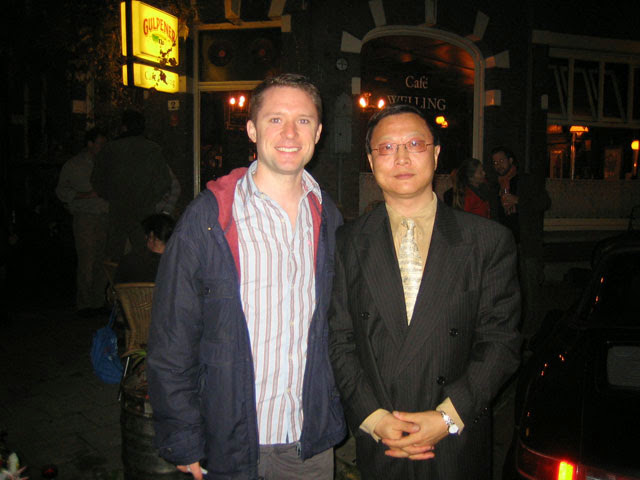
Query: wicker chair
[135, 299]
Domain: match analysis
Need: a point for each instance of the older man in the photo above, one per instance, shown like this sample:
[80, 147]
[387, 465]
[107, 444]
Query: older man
[423, 323]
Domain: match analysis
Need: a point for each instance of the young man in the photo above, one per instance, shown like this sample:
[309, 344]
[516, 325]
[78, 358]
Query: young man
[239, 374]
[423, 317]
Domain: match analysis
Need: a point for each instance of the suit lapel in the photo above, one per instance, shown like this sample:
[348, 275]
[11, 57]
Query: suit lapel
[380, 269]
[446, 258]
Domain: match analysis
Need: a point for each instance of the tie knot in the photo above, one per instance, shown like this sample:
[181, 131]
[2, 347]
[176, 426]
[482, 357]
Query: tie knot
[410, 224]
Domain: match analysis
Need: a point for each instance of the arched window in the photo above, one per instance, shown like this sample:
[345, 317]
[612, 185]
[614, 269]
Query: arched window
[434, 70]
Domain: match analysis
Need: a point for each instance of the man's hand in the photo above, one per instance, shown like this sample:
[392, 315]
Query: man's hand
[194, 469]
[509, 203]
[391, 428]
[418, 445]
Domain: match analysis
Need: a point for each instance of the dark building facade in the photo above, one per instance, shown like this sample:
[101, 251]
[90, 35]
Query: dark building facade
[520, 74]
[497, 73]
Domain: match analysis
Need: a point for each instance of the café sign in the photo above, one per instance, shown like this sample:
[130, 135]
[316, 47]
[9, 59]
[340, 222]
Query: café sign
[154, 33]
[146, 76]
[413, 81]
[438, 104]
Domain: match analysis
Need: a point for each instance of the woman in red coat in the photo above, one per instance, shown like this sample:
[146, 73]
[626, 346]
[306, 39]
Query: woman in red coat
[469, 191]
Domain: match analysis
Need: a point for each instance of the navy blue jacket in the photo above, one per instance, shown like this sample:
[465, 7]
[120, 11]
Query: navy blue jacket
[200, 366]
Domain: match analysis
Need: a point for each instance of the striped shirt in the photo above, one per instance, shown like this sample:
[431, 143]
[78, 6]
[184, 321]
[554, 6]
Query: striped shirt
[278, 298]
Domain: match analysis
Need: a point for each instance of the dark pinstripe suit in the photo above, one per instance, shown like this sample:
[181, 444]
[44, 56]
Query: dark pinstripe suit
[462, 342]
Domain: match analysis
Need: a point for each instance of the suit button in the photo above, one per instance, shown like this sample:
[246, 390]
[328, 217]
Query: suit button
[441, 380]
[364, 315]
[453, 332]
[207, 290]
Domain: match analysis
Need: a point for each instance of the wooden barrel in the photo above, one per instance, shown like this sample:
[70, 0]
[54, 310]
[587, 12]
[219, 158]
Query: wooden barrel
[139, 457]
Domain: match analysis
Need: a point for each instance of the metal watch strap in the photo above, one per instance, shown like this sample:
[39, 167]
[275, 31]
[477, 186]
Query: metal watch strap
[451, 425]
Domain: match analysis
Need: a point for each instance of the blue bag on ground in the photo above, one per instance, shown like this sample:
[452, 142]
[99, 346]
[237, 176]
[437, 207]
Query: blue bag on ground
[104, 353]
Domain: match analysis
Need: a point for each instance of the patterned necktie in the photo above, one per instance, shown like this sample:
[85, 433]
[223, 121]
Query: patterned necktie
[410, 266]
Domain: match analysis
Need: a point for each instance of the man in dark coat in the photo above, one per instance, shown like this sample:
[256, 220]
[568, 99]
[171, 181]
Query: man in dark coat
[523, 200]
[417, 375]
[238, 364]
[132, 175]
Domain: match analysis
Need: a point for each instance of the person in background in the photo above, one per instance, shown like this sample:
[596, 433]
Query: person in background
[523, 199]
[238, 365]
[470, 192]
[132, 175]
[143, 266]
[423, 318]
[521, 202]
[89, 212]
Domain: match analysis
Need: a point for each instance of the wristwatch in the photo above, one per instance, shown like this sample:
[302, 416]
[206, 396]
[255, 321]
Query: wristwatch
[451, 425]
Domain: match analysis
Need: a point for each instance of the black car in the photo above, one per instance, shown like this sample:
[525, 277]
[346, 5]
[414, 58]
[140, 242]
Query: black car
[578, 402]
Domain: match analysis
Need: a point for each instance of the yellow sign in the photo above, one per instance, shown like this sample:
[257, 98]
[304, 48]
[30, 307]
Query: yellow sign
[155, 33]
[146, 76]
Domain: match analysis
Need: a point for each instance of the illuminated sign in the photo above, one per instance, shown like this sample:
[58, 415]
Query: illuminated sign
[155, 33]
[153, 77]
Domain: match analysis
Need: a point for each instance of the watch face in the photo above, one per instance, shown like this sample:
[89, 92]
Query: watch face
[341, 64]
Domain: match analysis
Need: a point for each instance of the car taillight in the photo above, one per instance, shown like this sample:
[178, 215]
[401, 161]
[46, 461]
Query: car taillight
[565, 470]
[537, 466]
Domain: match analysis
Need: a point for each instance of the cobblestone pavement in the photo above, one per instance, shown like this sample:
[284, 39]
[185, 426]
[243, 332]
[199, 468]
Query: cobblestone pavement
[54, 411]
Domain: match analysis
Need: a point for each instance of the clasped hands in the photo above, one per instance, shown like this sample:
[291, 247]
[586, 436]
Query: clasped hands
[411, 435]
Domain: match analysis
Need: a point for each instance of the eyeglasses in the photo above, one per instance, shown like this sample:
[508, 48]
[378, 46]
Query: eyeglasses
[412, 146]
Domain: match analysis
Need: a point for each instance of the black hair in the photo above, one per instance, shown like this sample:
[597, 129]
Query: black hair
[160, 224]
[397, 109]
[134, 122]
[507, 152]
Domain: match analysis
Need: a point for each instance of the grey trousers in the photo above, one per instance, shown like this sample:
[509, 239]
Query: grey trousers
[281, 462]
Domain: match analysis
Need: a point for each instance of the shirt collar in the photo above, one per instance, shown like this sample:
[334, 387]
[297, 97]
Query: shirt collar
[309, 184]
[424, 215]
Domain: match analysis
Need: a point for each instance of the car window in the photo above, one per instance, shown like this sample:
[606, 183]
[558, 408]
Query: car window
[616, 300]
[623, 366]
